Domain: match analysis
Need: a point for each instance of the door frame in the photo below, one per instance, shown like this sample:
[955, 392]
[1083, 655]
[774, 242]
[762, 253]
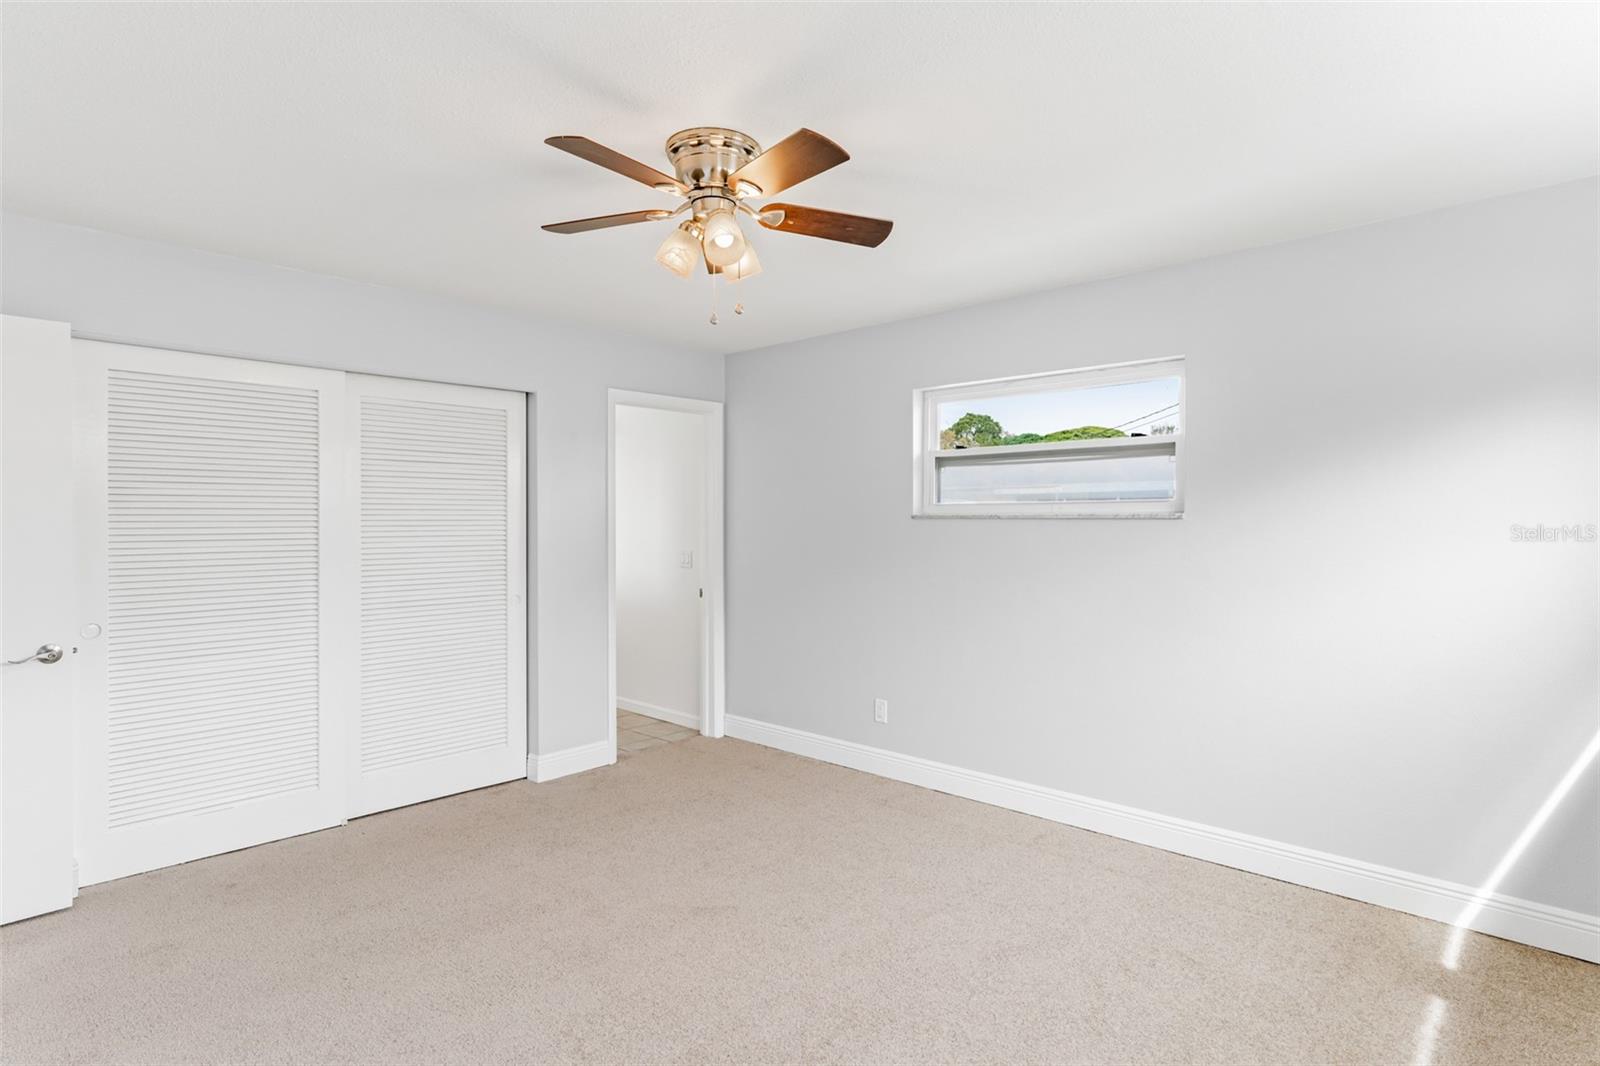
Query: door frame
[713, 669]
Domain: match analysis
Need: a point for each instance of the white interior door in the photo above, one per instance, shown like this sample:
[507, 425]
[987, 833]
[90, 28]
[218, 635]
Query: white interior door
[209, 515]
[437, 476]
[37, 583]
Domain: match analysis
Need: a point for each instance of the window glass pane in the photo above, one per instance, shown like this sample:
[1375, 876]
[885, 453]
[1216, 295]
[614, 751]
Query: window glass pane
[1134, 409]
[1060, 480]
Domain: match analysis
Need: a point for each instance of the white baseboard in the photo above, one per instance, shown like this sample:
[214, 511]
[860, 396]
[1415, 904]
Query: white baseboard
[665, 714]
[542, 768]
[1551, 928]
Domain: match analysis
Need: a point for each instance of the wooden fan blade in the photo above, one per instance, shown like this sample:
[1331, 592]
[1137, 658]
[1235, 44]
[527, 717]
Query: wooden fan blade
[830, 225]
[584, 225]
[584, 148]
[801, 155]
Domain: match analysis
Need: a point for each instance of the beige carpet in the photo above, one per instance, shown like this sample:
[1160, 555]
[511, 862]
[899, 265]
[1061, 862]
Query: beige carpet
[713, 901]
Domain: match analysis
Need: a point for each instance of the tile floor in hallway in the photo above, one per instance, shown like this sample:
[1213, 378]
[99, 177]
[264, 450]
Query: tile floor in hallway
[636, 732]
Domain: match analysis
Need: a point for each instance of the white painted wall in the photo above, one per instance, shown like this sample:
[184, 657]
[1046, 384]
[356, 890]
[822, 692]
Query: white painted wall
[661, 507]
[168, 296]
[1339, 647]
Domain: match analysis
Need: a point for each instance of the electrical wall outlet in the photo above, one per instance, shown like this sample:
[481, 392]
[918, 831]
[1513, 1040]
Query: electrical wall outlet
[686, 560]
[880, 711]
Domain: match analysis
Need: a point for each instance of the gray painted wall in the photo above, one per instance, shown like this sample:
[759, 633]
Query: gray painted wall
[1339, 647]
[176, 297]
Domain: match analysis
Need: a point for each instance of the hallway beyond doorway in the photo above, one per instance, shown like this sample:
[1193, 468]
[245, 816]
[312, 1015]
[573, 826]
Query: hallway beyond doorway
[637, 732]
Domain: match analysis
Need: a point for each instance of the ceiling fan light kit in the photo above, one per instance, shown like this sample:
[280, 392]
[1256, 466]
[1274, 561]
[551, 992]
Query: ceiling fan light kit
[748, 266]
[718, 171]
[679, 251]
[724, 240]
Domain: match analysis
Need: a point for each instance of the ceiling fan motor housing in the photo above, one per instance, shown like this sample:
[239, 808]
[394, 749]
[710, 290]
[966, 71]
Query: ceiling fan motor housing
[704, 156]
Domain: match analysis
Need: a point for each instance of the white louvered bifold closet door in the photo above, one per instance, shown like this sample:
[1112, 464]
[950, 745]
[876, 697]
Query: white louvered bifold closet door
[441, 549]
[209, 506]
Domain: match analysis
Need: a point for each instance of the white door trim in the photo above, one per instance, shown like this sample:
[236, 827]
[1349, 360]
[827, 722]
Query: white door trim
[713, 671]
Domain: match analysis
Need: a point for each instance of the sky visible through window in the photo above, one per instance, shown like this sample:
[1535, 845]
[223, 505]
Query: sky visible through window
[1139, 407]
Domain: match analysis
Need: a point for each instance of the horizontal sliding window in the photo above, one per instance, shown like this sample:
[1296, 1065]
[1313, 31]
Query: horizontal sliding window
[1093, 443]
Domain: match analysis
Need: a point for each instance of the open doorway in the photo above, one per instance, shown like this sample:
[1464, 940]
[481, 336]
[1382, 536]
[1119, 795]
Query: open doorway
[665, 544]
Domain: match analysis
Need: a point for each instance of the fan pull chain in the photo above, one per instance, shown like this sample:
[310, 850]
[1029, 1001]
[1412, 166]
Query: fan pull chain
[713, 299]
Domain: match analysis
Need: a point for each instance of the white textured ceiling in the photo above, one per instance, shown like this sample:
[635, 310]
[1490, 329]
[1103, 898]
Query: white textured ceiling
[1017, 148]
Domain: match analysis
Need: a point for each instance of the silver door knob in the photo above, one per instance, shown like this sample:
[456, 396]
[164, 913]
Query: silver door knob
[47, 654]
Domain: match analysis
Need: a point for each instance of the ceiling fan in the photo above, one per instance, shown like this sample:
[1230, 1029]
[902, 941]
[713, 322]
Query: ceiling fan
[719, 173]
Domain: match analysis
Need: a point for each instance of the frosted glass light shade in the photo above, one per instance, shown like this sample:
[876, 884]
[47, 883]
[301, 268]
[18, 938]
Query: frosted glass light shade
[748, 265]
[679, 253]
[724, 241]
